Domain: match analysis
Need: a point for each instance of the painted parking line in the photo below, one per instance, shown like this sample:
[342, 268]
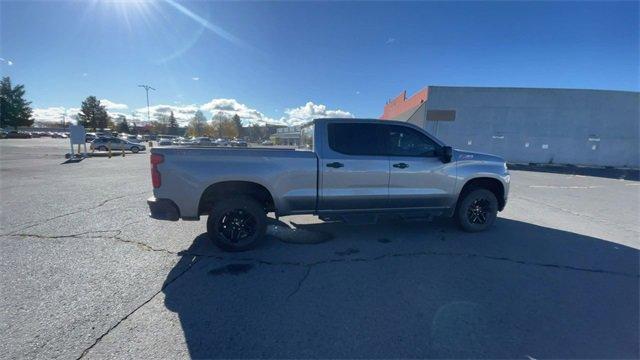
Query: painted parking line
[565, 187]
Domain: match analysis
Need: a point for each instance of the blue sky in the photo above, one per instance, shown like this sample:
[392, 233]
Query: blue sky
[288, 61]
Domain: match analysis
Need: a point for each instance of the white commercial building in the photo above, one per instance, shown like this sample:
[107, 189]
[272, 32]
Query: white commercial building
[530, 125]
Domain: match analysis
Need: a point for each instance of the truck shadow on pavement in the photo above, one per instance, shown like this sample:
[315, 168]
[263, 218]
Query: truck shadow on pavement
[411, 290]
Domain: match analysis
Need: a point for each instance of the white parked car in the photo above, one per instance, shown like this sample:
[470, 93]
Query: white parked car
[165, 141]
[116, 144]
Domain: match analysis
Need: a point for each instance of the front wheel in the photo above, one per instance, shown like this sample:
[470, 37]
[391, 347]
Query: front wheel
[477, 210]
[237, 224]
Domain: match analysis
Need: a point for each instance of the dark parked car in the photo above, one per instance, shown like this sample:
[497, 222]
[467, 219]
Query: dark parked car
[18, 135]
[239, 143]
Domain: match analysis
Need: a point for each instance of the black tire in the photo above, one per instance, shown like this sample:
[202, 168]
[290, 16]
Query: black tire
[135, 149]
[477, 210]
[237, 224]
[103, 148]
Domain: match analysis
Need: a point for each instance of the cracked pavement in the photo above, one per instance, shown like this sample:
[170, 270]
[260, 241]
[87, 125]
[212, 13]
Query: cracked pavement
[86, 274]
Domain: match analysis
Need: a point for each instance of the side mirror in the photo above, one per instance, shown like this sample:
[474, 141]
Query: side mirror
[445, 154]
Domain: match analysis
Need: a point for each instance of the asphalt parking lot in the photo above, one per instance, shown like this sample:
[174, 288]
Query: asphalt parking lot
[86, 273]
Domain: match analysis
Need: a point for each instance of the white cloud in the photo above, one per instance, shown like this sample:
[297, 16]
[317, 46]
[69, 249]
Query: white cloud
[231, 107]
[311, 111]
[110, 105]
[9, 62]
[55, 114]
[184, 113]
[390, 41]
[195, 78]
[84, 74]
[293, 116]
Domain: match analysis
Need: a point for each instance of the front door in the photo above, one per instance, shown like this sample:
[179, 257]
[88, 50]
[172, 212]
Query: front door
[354, 170]
[418, 178]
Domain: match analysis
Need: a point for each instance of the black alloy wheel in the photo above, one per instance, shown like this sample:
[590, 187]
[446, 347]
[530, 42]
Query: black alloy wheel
[477, 210]
[237, 224]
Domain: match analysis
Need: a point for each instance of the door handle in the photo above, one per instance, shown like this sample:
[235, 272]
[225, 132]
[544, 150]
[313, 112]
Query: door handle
[335, 165]
[401, 165]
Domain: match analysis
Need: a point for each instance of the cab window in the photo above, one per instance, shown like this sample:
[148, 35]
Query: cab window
[356, 139]
[405, 141]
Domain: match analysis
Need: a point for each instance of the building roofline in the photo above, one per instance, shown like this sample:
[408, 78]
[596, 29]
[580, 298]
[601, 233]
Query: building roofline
[401, 104]
[529, 88]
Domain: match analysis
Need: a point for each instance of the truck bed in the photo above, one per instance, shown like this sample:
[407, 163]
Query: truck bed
[290, 175]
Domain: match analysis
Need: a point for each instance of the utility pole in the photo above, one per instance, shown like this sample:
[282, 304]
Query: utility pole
[147, 88]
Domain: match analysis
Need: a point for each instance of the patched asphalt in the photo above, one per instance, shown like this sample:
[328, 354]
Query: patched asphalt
[86, 273]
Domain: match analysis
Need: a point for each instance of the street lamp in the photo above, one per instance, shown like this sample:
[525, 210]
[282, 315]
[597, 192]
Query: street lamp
[147, 88]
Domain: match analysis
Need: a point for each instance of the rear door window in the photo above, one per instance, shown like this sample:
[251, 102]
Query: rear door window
[356, 139]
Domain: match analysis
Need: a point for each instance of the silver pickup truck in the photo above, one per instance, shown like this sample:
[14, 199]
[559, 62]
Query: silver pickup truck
[344, 169]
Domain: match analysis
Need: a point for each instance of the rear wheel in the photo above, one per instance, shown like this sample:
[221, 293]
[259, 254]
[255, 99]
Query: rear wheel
[237, 224]
[102, 148]
[135, 149]
[477, 210]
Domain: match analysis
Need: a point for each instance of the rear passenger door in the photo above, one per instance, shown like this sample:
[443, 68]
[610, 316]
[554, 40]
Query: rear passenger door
[354, 169]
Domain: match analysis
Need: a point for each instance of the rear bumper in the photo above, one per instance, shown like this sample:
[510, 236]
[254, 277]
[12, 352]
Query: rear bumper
[163, 209]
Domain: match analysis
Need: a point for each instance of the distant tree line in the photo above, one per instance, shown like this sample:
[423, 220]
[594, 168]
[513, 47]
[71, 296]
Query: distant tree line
[16, 111]
[226, 126]
[166, 124]
[220, 126]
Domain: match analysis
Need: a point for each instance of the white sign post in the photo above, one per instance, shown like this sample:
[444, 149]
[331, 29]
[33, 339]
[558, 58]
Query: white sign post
[77, 135]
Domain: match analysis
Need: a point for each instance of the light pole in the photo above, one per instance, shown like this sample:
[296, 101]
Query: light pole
[147, 88]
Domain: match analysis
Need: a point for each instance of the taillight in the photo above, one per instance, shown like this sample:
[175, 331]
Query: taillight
[155, 174]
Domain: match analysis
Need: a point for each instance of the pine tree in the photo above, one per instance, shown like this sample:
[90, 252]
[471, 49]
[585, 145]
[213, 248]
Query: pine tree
[123, 125]
[93, 115]
[14, 109]
[238, 125]
[173, 125]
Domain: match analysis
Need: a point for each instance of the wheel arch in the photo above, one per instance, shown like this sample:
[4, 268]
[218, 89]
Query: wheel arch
[226, 189]
[492, 184]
